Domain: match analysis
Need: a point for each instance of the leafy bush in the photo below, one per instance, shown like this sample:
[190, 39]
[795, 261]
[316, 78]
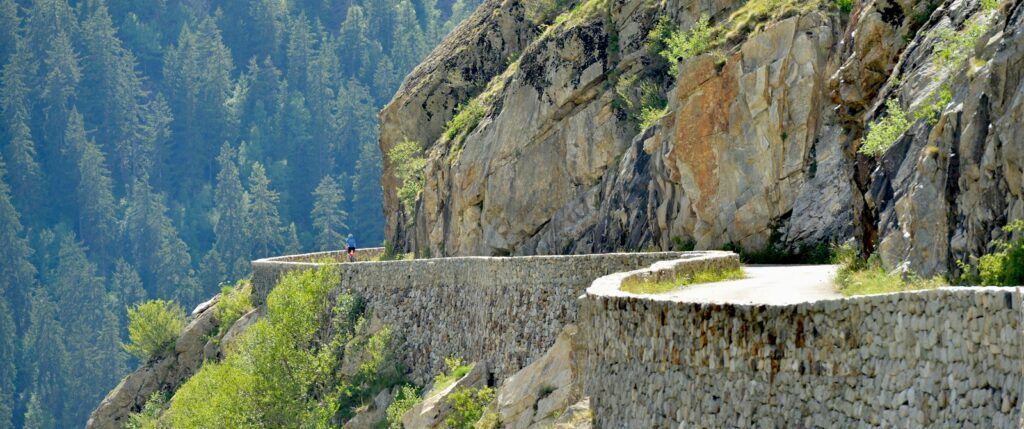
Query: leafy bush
[234, 303]
[1005, 267]
[409, 163]
[933, 106]
[844, 6]
[405, 398]
[885, 132]
[682, 45]
[467, 117]
[153, 328]
[284, 371]
[468, 406]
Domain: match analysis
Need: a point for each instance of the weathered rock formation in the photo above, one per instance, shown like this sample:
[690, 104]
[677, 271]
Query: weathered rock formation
[758, 148]
[196, 344]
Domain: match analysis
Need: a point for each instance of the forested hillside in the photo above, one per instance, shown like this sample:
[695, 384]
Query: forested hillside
[151, 148]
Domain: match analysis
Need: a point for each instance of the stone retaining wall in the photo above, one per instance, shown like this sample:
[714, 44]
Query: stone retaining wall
[943, 358]
[505, 311]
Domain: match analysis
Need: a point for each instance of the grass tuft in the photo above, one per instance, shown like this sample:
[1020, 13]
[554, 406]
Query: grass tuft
[665, 286]
[858, 276]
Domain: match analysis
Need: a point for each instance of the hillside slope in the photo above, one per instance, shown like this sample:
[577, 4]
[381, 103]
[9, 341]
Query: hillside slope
[759, 144]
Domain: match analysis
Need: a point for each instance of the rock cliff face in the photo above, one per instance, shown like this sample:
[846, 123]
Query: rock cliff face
[758, 146]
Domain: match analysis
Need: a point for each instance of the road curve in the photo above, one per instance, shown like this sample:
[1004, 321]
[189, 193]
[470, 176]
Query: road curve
[765, 284]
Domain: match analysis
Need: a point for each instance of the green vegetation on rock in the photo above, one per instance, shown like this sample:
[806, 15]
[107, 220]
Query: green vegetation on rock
[867, 276]
[456, 370]
[153, 328]
[884, 133]
[286, 371]
[468, 406]
[644, 287]
[234, 303]
[1004, 266]
[409, 163]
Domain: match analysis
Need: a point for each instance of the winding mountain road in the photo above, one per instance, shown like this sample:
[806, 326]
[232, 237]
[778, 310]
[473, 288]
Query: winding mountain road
[766, 284]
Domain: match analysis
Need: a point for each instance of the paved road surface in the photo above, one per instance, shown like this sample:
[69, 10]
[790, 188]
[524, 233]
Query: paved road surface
[766, 284]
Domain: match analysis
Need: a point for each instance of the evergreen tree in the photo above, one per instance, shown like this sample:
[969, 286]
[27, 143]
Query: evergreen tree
[292, 244]
[60, 87]
[111, 87]
[46, 364]
[8, 371]
[97, 221]
[37, 416]
[229, 212]
[89, 342]
[47, 18]
[328, 215]
[367, 201]
[17, 274]
[264, 222]
[126, 289]
[197, 73]
[212, 272]
[154, 246]
[24, 171]
[9, 25]
[150, 142]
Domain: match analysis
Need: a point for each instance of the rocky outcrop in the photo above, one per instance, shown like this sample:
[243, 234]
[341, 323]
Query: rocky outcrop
[758, 149]
[162, 374]
[435, 408]
[537, 396]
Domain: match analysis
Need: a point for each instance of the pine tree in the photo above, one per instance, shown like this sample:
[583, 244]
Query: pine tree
[45, 361]
[153, 244]
[229, 211]
[17, 274]
[111, 87]
[299, 52]
[37, 416]
[264, 222]
[212, 272]
[60, 87]
[367, 201]
[328, 215]
[126, 288]
[98, 360]
[292, 244]
[8, 371]
[47, 18]
[24, 171]
[9, 25]
[197, 73]
[97, 220]
[149, 146]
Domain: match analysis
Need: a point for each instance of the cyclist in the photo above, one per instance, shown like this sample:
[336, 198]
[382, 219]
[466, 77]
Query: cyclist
[351, 243]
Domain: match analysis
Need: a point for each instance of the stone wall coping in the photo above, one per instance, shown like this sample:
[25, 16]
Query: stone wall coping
[301, 260]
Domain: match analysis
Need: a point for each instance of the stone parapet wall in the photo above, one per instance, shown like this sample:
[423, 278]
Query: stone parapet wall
[505, 311]
[950, 357]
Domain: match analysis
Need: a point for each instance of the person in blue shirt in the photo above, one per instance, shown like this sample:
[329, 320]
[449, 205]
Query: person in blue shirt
[351, 243]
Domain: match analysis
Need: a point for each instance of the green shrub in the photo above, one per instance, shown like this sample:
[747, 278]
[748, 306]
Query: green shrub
[234, 303]
[953, 47]
[153, 328]
[405, 398]
[467, 117]
[409, 162]
[933, 106]
[844, 6]
[867, 276]
[149, 416]
[468, 406]
[1005, 267]
[285, 369]
[456, 370]
[682, 45]
[885, 132]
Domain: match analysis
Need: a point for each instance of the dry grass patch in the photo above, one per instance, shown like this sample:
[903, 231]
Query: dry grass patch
[704, 276]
